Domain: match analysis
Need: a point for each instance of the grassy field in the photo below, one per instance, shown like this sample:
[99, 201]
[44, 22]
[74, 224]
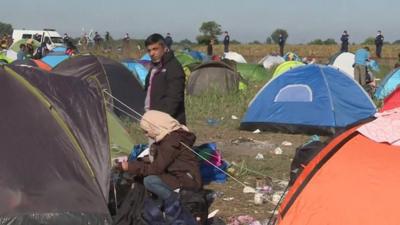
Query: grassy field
[221, 111]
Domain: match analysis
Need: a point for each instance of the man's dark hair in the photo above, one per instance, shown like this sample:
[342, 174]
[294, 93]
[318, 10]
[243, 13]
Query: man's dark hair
[154, 38]
[366, 48]
[22, 46]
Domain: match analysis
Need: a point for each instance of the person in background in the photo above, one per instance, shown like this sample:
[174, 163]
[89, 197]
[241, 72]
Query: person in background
[397, 64]
[97, 40]
[345, 42]
[168, 40]
[21, 55]
[165, 82]
[379, 43]
[107, 44]
[226, 41]
[66, 38]
[281, 43]
[210, 48]
[361, 57]
[29, 48]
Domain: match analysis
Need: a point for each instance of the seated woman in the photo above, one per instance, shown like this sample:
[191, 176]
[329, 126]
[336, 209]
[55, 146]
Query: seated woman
[171, 165]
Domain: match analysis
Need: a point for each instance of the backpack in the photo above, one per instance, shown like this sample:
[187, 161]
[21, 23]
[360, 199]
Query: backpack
[197, 202]
[304, 154]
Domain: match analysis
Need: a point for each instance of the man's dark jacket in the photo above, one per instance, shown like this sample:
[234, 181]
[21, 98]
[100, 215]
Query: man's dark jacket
[168, 88]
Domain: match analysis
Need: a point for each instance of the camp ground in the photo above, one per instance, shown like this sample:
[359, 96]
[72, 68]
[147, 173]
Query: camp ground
[276, 125]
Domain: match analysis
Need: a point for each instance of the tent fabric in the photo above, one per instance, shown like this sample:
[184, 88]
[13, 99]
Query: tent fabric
[146, 57]
[290, 56]
[4, 59]
[385, 128]
[344, 62]
[112, 76]
[32, 62]
[197, 55]
[121, 142]
[185, 59]
[352, 181]
[54, 60]
[308, 99]
[213, 76]
[389, 84]
[59, 49]
[270, 60]
[283, 67]
[253, 72]
[78, 119]
[38, 172]
[138, 69]
[392, 101]
[235, 57]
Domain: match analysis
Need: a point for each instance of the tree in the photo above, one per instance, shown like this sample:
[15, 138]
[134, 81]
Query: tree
[396, 42]
[328, 41]
[269, 40]
[5, 28]
[316, 42]
[209, 29]
[235, 42]
[369, 41]
[255, 42]
[275, 35]
[186, 42]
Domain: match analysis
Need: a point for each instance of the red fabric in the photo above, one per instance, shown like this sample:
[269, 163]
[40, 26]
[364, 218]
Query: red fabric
[392, 101]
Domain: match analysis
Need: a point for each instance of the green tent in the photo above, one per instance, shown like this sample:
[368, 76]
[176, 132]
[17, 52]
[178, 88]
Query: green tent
[185, 59]
[253, 72]
[285, 67]
[121, 142]
[4, 59]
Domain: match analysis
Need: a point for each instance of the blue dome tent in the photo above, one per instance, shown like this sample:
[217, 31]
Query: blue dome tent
[388, 84]
[137, 69]
[309, 99]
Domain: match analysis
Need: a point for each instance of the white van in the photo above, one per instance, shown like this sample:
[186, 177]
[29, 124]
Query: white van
[50, 36]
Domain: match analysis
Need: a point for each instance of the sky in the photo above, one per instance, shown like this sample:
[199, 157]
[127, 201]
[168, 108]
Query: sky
[246, 21]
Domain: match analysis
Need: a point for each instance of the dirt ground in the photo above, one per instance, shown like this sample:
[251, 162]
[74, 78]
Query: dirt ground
[242, 147]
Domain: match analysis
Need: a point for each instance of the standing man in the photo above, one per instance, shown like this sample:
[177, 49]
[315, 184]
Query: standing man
[168, 40]
[210, 48]
[107, 38]
[165, 82]
[379, 43]
[281, 43]
[66, 38]
[97, 39]
[226, 41]
[361, 57]
[345, 42]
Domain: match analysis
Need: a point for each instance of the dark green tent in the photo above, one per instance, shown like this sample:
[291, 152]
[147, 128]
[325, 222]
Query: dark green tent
[55, 160]
[112, 76]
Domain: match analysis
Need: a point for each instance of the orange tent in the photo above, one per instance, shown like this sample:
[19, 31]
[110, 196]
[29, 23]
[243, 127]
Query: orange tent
[352, 181]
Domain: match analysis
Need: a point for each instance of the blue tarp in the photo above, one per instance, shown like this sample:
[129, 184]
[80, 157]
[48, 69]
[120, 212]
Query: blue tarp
[53, 60]
[312, 95]
[146, 57]
[388, 84]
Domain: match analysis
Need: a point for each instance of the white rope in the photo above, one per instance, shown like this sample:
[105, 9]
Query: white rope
[189, 148]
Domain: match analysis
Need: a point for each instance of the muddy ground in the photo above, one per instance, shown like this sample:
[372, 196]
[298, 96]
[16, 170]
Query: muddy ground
[241, 148]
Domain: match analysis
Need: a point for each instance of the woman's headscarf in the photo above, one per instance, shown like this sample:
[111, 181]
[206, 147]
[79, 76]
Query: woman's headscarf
[160, 124]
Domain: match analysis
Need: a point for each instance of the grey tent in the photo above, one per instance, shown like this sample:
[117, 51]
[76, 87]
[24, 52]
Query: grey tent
[112, 76]
[55, 160]
[216, 77]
